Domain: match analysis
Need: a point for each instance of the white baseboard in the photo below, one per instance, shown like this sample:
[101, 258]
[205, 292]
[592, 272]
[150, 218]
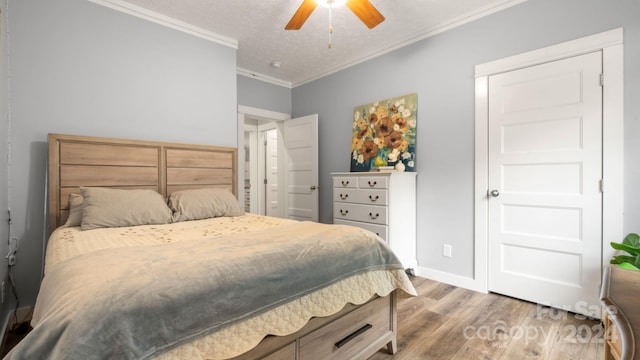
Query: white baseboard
[451, 279]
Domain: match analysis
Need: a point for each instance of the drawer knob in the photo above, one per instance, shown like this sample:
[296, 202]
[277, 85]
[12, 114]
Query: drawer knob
[344, 212]
[372, 198]
[345, 182]
[353, 335]
[373, 217]
[372, 184]
[344, 196]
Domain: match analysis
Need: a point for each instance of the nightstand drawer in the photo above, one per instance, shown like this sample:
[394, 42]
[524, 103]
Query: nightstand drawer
[372, 197]
[345, 182]
[373, 182]
[356, 212]
[380, 230]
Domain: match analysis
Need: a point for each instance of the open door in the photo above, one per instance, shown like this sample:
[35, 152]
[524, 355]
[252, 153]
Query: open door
[301, 144]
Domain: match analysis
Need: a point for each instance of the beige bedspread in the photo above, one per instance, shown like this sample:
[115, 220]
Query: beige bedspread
[239, 337]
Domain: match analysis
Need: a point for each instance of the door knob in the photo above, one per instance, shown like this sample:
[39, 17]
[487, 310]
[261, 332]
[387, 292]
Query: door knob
[313, 187]
[495, 193]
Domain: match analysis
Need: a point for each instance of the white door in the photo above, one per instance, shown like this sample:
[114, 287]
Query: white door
[271, 182]
[545, 167]
[301, 143]
[251, 168]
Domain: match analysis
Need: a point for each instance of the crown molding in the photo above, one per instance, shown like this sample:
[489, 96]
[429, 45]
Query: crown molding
[489, 9]
[167, 21]
[262, 77]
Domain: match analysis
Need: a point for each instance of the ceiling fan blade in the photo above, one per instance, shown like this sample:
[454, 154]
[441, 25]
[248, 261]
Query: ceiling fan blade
[301, 15]
[366, 12]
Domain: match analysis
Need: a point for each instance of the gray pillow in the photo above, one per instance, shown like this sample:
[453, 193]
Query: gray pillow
[103, 207]
[75, 211]
[203, 204]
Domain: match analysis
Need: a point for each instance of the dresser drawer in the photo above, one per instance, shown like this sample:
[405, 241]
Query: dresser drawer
[380, 230]
[370, 200]
[345, 182]
[374, 197]
[356, 212]
[373, 182]
[348, 336]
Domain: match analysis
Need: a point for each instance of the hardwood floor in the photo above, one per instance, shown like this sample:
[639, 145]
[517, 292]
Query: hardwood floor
[445, 322]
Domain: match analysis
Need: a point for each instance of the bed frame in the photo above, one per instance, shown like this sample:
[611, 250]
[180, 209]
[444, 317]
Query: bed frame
[356, 332]
[133, 164]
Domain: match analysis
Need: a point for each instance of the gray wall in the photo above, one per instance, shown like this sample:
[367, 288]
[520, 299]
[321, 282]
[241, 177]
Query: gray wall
[441, 70]
[4, 198]
[80, 68]
[263, 95]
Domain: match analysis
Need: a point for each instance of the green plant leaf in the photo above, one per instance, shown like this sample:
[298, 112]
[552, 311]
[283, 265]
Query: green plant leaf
[619, 259]
[626, 265]
[631, 249]
[632, 239]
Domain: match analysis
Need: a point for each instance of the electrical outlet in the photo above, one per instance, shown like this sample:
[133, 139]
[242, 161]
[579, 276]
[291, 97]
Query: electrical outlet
[446, 250]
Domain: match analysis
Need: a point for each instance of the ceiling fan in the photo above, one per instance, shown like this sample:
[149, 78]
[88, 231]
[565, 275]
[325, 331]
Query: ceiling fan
[363, 9]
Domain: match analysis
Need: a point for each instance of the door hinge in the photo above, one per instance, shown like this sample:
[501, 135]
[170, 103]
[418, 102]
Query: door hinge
[601, 79]
[601, 184]
[265, 181]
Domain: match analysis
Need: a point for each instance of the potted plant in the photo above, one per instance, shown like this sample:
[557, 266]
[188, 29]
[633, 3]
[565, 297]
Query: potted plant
[631, 258]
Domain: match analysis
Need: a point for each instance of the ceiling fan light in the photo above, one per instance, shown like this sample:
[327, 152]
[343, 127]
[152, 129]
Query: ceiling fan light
[332, 3]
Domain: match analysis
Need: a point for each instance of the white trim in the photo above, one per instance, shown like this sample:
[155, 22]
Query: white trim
[241, 157]
[563, 50]
[481, 218]
[250, 111]
[262, 113]
[167, 21]
[262, 77]
[613, 149]
[449, 278]
[610, 43]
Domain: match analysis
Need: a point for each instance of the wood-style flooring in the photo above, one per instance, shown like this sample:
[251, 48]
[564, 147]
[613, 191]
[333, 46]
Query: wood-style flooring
[446, 322]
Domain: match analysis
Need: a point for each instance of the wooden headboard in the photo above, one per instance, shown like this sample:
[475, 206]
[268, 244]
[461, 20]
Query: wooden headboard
[133, 164]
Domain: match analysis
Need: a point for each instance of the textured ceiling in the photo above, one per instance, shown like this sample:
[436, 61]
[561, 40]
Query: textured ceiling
[258, 27]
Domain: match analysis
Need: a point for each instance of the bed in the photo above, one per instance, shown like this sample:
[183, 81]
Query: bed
[186, 274]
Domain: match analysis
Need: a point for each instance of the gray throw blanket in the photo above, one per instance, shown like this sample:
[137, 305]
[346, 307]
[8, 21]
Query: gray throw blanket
[137, 302]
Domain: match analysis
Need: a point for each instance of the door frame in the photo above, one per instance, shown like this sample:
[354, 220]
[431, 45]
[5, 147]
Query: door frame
[262, 171]
[252, 130]
[251, 111]
[611, 44]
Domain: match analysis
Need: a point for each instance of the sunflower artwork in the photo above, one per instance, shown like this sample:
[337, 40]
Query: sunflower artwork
[384, 135]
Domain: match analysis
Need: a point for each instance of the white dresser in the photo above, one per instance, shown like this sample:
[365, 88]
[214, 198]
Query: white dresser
[383, 203]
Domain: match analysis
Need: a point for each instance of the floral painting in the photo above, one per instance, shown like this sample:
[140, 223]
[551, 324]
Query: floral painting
[384, 135]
